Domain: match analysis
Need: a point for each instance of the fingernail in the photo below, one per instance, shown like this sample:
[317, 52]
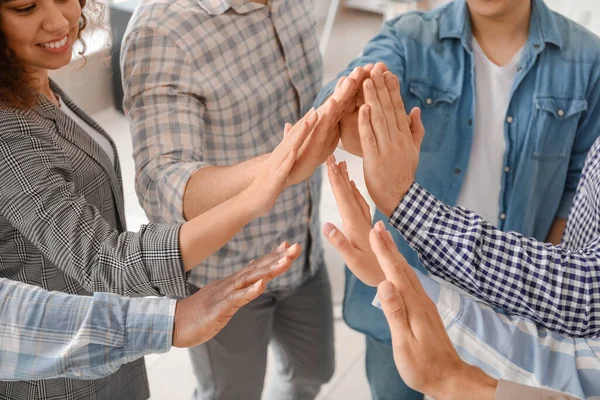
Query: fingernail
[258, 284]
[380, 227]
[377, 73]
[328, 229]
[354, 72]
[385, 290]
[282, 261]
[346, 83]
[335, 168]
[390, 236]
[389, 78]
[369, 83]
[333, 157]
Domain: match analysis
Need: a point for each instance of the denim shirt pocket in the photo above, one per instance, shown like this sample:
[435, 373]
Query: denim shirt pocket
[436, 105]
[554, 123]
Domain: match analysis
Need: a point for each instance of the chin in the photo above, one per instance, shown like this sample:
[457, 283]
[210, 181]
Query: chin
[488, 8]
[58, 63]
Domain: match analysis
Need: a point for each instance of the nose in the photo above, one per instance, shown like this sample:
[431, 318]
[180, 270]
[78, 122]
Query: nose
[55, 21]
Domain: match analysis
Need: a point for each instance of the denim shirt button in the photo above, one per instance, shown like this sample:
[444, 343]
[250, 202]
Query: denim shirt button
[428, 101]
[507, 169]
[503, 216]
[510, 119]
[561, 112]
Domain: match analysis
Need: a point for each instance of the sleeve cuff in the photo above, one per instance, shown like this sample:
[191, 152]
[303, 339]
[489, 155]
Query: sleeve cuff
[565, 205]
[509, 390]
[173, 185]
[162, 258]
[414, 214]
[150, 324]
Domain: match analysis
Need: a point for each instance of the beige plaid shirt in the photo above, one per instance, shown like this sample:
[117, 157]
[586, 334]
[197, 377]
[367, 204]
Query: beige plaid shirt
[212, 82]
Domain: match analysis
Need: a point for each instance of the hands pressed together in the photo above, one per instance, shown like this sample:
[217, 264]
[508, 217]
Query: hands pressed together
[366, 112]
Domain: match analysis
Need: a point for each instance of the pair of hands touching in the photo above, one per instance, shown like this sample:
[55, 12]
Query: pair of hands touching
[304, 147]
[389, 141]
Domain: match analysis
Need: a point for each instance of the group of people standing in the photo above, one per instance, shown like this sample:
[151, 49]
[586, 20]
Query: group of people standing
[486, 105]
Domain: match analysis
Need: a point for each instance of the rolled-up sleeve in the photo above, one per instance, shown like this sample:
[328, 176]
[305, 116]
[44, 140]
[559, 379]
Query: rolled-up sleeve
[165, 117]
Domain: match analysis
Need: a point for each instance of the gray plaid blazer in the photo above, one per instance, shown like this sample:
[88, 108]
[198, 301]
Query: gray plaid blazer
[62, 227]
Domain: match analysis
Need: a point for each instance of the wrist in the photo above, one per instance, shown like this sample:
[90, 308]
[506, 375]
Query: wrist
[467, 383]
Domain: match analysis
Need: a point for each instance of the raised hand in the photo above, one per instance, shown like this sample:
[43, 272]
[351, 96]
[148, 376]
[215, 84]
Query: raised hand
[349, 120]
[354, 245]
[390, 141]
[199, 317]
[325, 136]
[424, 355]
[275, 174]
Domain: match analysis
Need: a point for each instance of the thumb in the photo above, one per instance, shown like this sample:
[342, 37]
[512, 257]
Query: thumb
[416, 127]
[395, 311]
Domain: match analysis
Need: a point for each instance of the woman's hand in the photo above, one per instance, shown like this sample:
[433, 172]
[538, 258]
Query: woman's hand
[354, 246]
[199, 317]
[263, 192]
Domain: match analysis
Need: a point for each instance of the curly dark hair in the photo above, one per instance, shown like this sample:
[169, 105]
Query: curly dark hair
[14, 87]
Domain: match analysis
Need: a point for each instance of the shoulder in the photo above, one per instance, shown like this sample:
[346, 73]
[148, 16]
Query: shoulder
[423, 26]
[168, 17]
[579, 43]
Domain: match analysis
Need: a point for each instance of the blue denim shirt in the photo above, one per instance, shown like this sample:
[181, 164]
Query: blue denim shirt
[552, 120]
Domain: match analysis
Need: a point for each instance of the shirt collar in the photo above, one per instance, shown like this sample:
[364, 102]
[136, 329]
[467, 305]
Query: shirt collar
[218, 7]
[456, 23]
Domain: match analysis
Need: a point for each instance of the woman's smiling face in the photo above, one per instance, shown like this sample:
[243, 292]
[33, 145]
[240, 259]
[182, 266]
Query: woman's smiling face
[41, 33]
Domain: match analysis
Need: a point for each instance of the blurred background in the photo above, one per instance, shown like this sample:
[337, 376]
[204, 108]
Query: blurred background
[344, 27]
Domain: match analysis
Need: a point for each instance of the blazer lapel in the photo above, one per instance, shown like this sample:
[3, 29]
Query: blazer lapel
[72, 132]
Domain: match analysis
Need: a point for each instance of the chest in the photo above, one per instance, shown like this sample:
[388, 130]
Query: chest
[538, 110]
[256, 72]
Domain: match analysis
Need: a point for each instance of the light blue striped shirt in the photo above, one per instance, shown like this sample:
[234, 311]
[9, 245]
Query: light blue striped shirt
[514, 348]
[51, 334]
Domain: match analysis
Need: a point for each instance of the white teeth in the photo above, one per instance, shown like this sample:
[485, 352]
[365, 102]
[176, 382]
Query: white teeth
[56, 45]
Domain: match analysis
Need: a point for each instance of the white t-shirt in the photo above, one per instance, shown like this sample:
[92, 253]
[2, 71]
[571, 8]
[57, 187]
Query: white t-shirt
[483, 179]
[97, 136]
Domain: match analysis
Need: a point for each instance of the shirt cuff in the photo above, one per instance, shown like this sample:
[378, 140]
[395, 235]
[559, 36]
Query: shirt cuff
[509, 390]
[172, 184]
[415, 213]
[150, 325]
[162, 258]
[565, 205]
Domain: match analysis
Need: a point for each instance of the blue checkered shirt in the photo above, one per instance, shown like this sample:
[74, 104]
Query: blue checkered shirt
[51, 334]
[556, 286]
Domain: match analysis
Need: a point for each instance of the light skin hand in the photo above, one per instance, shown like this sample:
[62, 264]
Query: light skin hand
[199, 317]
[325, 136]
[354, 245]
[350, 139]
[262, 194]
[390, 141]
[423, 353]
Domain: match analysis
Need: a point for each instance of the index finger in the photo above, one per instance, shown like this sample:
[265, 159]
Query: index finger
[393, 268]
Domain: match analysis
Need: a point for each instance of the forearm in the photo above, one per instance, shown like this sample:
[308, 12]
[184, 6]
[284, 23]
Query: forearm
[468, 383]
[50, 334]
[206, 233]
[211, 186]
[458, 246]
